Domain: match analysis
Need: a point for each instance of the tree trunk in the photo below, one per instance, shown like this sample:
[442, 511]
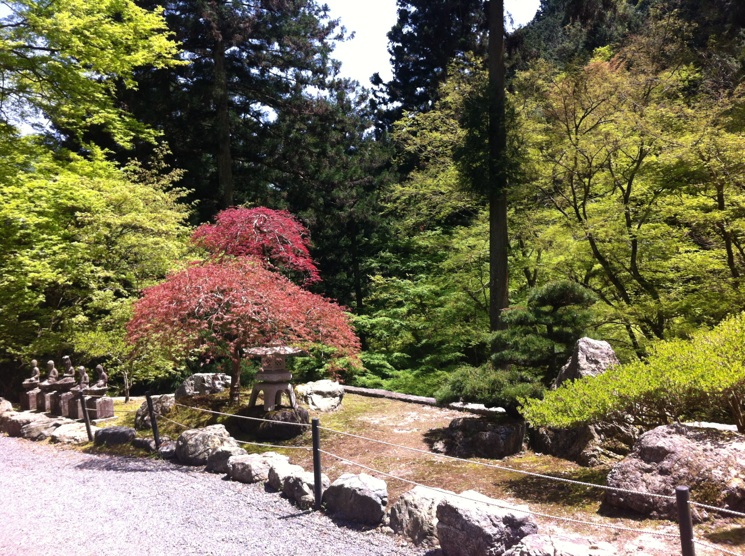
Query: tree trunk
[498, 238]
[125, 377]
[235, 379]
[222, 128]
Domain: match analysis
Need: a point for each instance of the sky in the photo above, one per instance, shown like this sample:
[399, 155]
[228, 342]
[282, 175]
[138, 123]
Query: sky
[371, 20]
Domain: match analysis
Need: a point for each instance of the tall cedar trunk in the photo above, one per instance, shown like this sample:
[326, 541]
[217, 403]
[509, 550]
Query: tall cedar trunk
[498, 239]
[222, 128]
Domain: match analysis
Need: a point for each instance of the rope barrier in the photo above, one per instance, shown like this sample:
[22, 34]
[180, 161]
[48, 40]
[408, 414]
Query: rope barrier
[274, 445]
[488, 465]
[505, 468]
[174, 422]
[241, 416]
[715, 547]
[504, 506]
[716, 509]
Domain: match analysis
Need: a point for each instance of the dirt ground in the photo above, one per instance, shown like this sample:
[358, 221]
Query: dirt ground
[566, 508]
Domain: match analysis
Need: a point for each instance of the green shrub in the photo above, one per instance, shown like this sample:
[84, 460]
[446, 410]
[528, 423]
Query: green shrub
[682, 379]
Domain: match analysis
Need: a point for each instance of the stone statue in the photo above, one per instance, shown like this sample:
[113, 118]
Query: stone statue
[101, 385]
[33, 381]
[82, 382]
[102, 379]
[52, 374]
[69, 369]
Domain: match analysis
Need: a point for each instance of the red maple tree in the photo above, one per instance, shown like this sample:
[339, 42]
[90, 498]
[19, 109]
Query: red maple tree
[274, 237]
[222, 308]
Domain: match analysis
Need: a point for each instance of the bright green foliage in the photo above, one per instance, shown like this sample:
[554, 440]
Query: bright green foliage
[62, 60]
[682, 379]
[542, 334]
[79, 239]
[429, 316]
[536, 340]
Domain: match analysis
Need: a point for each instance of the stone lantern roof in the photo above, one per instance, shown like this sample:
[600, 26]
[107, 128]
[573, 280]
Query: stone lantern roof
[275, 350]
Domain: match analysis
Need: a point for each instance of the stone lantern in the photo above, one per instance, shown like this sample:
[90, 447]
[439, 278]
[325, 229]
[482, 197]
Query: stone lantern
[274, 378]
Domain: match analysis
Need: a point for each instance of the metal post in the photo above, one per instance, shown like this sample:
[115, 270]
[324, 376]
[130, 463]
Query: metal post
[317, 481]
[86, 418]
[153, 420]
[684, 521]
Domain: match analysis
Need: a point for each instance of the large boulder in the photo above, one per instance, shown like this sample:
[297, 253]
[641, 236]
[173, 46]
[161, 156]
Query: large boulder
[358, 498]
[5, 405]
[72, 433]
[322, 395]
[218, 461]
[560, 545]
[195, 446]
[468, 437]
[203, 383]
[162, 405]
[41, 429]
[414, 515]
[471, 525]
[589, 358]
[12, 422]
[588, 445]
[710, 462]
[298, 487]
[278, 424]
[254, 468]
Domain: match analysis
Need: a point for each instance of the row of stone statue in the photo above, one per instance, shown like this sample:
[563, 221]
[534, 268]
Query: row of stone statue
[60, 395]
[53, 381]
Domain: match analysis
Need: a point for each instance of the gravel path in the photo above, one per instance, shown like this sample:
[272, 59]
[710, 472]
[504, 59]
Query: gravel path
[63, 502]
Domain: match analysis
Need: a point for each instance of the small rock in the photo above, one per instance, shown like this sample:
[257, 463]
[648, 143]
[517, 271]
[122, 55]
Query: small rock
[167, 450]
[147, 444]
[5, 405]
[254, 468]
[279, 471]
[114, 436]
[218, 461]
[299, 486]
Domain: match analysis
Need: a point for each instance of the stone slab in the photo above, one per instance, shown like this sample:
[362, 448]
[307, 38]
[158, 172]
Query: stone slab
[28, 400]
[100, 408]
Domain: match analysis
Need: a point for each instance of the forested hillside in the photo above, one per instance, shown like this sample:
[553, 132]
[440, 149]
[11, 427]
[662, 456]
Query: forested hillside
[626, 179]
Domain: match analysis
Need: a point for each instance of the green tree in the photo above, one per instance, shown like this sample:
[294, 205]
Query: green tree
[79, 239]
[62, 60]
[255, 81]
[682, 379]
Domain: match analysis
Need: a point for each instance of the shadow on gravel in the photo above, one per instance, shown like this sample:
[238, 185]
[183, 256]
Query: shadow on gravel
[131, 465]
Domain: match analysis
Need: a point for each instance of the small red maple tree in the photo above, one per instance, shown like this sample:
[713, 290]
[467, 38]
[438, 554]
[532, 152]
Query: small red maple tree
[225, 307]
[274, 237]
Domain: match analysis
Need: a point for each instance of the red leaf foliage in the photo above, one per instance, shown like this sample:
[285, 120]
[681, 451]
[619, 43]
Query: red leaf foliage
[224, 307]
[275, 237]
